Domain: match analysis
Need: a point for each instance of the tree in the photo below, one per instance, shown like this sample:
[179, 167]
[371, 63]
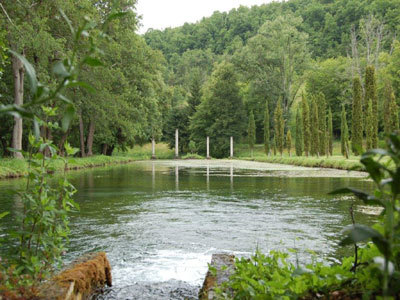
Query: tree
[289, 142]
[314, 127]
[322, 123]
[330, 133]
[357, 118]
[306, 125]
[266, 130]
[391, 111]
[221, 113]
[279, 124]
[371, 95]
[274, 145]
[251, 132]
[344, 137]
[369, 125]
[299, 133]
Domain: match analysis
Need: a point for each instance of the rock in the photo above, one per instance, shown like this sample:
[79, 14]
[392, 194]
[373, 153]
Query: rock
[80, 279]
[221, 268]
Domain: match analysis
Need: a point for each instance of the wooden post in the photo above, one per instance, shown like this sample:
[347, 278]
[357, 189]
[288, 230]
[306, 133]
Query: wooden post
[153, 148]
[208, 147]
[176, 143]
[231, 147]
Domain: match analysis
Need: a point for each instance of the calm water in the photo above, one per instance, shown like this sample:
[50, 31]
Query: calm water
[160, 222]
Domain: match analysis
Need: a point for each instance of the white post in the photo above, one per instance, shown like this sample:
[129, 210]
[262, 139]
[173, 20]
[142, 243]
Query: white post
[153, 148]
[208, 147]
[153, 177]
[231, 146]
[177, 143]
[208, 177]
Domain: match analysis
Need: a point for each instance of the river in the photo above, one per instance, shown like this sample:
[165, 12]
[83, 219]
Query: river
[160, 221]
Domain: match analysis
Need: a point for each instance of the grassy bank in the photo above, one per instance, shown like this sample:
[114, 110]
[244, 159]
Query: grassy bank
[336, 161]
[13, 168]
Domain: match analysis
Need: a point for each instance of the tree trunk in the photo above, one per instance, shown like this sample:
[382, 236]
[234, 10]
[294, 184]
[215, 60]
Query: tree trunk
[90, 138]
[105, 147]
[62, 142]
[18, 73]
[82, 136]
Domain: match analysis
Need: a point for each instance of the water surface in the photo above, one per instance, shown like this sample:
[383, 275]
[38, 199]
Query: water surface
[159, 222]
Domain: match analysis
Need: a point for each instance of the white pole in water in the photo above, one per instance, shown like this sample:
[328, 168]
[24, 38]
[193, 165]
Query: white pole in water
[176, 143]
[153, 148]
[208, 147]
[177, 177]
[231, 147]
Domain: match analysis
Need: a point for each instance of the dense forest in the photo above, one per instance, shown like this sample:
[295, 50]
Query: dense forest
[295, 67]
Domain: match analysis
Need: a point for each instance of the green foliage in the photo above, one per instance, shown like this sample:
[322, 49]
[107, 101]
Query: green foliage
[322, 123]
[371, 95]
[266, 130]
[192, 147]
[299, 133]
[344, 135]
[357, 118]
[279, 124]
[391, 111]
[369, 126]
[330, 133]
[306, 125]
[289, 142]
[251, 131]
[221, 113]
[386, 234]
[314, 117]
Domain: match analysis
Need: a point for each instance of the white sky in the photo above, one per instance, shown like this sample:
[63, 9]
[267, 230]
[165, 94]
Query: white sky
[160, 14]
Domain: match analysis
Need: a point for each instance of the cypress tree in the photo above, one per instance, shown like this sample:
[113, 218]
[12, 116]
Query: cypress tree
[386, 108]
[274, 145]
[371, 95]
[330, 133]
[299, 133]
[369, 127]
[394, 115]
[251, 132]
[322, 123]
[344, 135]
[289, 142]
[266, 129]
[357, 118]
[314, 128]
[279, 127]
[306, 125]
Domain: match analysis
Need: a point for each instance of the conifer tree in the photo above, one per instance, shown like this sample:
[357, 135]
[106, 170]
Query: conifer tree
[274, 145]
[322, 122]
[306, 125]
[330, 133]
[357, 118]
[279, 127]
[371, 95]
[314, 127]
[369, 127]
[391, 111]
[266, 130]
[299, 134]
[289, 142]
[344, 134]
[394, 115]
[251, 132]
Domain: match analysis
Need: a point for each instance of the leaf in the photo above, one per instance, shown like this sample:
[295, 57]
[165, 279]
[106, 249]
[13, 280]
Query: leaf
[67, 20]
[93, 62]
[3, 214]
[115, 16]
[60, 70]
[36, 129]
[366, 198]
[373, 168]
[359, 233]
[68, 115]
[82, 84]
[64, 99]
[29, 69]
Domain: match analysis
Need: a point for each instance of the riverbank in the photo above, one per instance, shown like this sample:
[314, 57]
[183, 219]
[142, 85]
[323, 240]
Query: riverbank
[14, 168]
[336, 161]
